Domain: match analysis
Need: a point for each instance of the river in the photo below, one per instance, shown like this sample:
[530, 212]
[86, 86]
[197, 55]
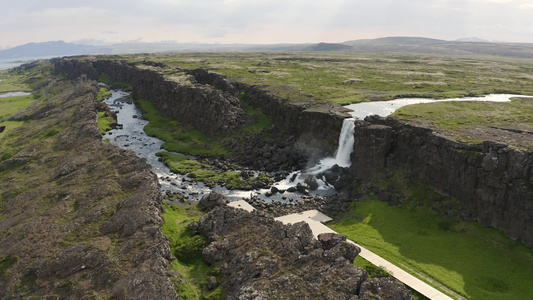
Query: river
[385, 108]
[14, 94]
[131, 136]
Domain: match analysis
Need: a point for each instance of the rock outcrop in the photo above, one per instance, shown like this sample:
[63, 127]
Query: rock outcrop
[78, 219]
[181, 97]
[261, 258]
[492, 182]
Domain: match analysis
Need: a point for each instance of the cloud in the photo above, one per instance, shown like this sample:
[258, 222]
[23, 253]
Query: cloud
[261, 21]
[526, 6]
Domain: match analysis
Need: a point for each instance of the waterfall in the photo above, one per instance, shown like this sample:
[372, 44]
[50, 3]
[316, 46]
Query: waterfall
[341, 158]
[344, 149]
[346, 140]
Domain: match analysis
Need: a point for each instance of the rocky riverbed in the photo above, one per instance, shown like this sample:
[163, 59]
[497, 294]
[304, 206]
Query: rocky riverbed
[289, 188]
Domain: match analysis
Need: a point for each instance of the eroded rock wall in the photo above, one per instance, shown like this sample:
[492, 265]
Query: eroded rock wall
[212, 103]
[316, 126]
[78, 219]
[201, 106]
[493, 182]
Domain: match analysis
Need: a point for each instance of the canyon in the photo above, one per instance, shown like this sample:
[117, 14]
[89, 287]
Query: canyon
[491, 182]
[90, 218]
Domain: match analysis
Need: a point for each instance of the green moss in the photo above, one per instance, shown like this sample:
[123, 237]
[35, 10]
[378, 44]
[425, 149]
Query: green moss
[179, 163]
[372, 270]
[103, 93]
[7, 154]
[6, 262]
[51, 132]
[261, 120]
[203, 172]
[187, 248]
[69, 239]
[105, 123]
[105, 78]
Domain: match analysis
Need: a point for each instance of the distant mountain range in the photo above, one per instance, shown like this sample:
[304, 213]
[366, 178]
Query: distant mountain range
[418, 45]
[59, 48]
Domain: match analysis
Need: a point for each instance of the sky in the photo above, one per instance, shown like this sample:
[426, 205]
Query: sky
[260, 21]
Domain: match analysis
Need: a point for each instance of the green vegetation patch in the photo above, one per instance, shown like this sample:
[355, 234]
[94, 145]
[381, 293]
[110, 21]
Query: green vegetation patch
[103, 93]
[187, 248]
[179, 163]
[177, 137]
[206, 173]
[13, 83]
[5, 264]
[349, 78]
[9, 126]
[372, 270]
[11, 105]
[475, 262]
[261, 120]
[459, 117]
[105, 123]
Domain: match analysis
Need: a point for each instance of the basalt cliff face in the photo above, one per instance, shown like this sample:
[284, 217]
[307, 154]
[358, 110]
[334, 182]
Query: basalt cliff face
[216, 105]
[78, 219]
[492, 182]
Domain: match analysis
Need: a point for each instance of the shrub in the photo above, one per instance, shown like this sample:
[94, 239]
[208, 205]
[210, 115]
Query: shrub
[188, 248]
[377, 272]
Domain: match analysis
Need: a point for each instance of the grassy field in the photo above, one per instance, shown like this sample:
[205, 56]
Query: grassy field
[351, 78]
[475, 262]
[12, 83]
[11, 105]
[463, 120]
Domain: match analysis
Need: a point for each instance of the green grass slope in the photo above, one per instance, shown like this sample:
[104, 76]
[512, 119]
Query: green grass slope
[475, 262]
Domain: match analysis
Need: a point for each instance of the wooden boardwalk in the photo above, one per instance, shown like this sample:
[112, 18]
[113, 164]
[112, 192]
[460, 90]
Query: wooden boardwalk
[315, 219]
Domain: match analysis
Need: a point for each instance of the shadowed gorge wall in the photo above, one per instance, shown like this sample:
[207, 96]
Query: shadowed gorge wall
[493, 182]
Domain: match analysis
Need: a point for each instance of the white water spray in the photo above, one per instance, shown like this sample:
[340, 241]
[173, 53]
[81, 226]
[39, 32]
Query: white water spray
[346, 140]
[344, 150]
[341, 158]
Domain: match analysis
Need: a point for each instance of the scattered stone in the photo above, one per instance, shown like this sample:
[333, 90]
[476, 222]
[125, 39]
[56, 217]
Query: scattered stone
[212, 283]
[311, 182]
[207, 203]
